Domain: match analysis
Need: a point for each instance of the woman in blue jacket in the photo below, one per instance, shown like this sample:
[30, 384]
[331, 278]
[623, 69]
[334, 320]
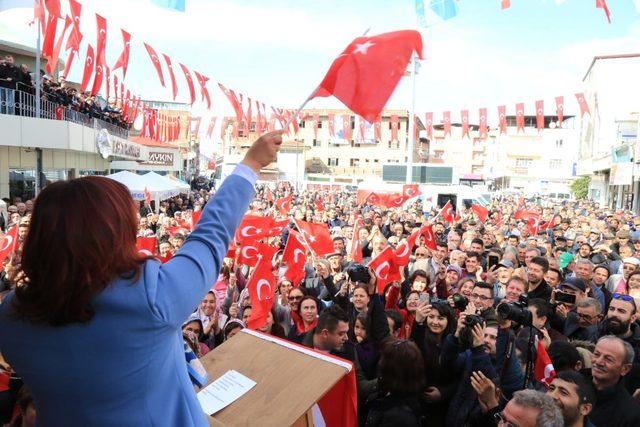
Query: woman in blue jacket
[94, 330]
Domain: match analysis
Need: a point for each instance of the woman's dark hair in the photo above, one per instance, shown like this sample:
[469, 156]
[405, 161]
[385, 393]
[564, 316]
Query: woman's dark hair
[82, 236]
[311, 297]
[225, 272]
[419, 273]
[401, 368]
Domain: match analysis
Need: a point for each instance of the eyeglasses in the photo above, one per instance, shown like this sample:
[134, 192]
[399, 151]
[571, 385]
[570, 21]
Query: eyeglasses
[502, 420]
[586, 316]
[421, 255]
[623, 297]
[480, 297]
[295, 298]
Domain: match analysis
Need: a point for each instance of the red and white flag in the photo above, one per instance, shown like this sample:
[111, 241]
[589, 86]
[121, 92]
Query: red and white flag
[540, 115]
[533, 224]
[356, 249]
[52, 63]
[429, 236]
[262, 288]
[520, 116]
[53, 7]
[156, 62]
[584, 107]
[147, 245]
[366, 73]
[147, 195]
[88, 69]
[189, 79]
[446, 123]
[295, 257]
[123, 59]
[602, 4]
[502, 118]
[544, 371]
[204, 92]
[385, 268]
[283, 205]
[560, 109]
[482, 114]
[338, 407]
[8, 243]
[428, 123]
[174, 85]
[481, 212]
[250, 253]
[411, 190]
[317, 237]
[394, 127]
[464, 118]
[447, 212]
[403, 251]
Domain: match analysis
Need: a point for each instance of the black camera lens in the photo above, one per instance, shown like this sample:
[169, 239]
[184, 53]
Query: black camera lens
[358, 273]
[515, 313]
[460, 302]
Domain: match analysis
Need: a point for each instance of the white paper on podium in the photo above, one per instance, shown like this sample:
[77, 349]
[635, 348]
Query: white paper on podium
[224, 391]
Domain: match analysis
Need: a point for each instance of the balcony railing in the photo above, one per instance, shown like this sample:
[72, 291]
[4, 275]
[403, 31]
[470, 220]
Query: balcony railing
[19, 103]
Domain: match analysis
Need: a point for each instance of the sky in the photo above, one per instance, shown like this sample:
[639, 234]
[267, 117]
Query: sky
[277, 51]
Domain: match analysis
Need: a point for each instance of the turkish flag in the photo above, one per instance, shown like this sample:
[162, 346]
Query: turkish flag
[481, 212]
[268, 195]
[195, 217]
[88, 69]
[523, 214]
[53, 7]
[447, 212]
[319, 205]
[394, 127]
[533, 224]
[284, 205]
[506, 4]
[411, 190]
[156, 62]
[602, 4]
[174, 85]
[248, 118]
[52, 63]
[346, 126]
[540, 115]
[502, 118]
[543, 371]
[385, 269]
[520, 116]
[392, 200]
[204, 92]
[464, 118]
[403, 251]
[39, 14]
[262, 288]
[123, 59]
[101, 45]
[317, 237]
[223, 127]
[67, 66]
[377, 129]
[233, 99]
[250, 252]
[428, 123]
[253, 227]
[560, 109]
[187, 76]
[446, 121]
[295, 257]
[100, 70]
[429, 236]
[8, 243]
[338, 407]
[498, 219]
[374, 198]
[147, 194]
[584, 107]
[147, 244]
[356, 250]
[212, 124]
[482, 113]
[549, 225]
[316, 121]
[366, 73]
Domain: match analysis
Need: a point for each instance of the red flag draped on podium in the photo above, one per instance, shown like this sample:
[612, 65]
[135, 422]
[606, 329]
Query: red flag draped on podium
[482, 114]
[317, 237]
[365, 75]
[502, 117]
[123, 59]
[204, 92]
[156, 62]
[584, 107]
[464, 118]
[261, 287]
[481, 212]
[428, 123]
[446, 120]
[520, 116]
[540, 115]
[88, 68]
[187, 76]
[338, 407]
[560, 109]
[174, 85]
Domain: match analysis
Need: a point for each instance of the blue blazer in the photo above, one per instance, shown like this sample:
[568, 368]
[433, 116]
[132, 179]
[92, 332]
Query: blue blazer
[126, 367]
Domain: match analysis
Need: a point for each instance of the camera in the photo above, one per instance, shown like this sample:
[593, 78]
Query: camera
[358, 273]
[466, 334]
[471, 320]
[516, 311]
[460, 302]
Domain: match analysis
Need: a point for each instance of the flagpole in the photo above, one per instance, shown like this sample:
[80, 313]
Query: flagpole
[411, 139]
[38, 150]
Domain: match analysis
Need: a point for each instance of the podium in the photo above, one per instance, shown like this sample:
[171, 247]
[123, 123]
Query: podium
[290, 380]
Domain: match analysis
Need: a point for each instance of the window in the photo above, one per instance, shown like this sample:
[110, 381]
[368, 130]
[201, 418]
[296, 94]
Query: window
[523, 162]
[394, 145]
[393, 161]
[375, 160]
[438, 154]
[319, 124]
[333, 161]
[555, 163]
[301, 123]
[558, 143]
[354, 163]
[317, 143]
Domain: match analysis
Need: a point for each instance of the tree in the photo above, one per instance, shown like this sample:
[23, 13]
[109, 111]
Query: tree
[580, 187]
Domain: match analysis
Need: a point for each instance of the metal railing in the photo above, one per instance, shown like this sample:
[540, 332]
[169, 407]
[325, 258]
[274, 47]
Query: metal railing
[20, 103]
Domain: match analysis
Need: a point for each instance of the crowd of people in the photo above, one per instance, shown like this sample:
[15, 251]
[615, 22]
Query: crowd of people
[20, 78]
[455, 341]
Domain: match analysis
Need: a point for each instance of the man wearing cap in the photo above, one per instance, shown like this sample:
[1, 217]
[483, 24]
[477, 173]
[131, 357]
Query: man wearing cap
[622, 239]
[499, 278]
[594, 237]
